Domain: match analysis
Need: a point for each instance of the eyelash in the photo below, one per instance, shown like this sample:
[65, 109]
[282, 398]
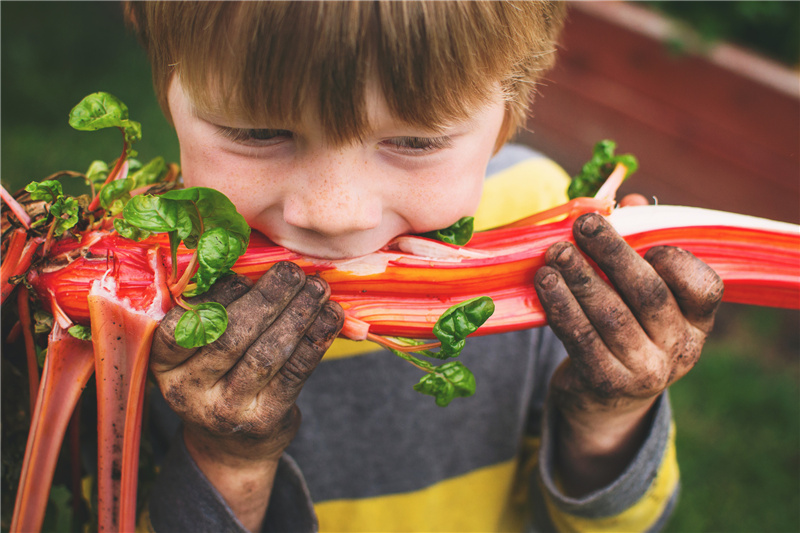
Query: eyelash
[260, 137]
[417, 145]
[253, 136]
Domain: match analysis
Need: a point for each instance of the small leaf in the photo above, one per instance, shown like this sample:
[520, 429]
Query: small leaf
[97, 111]
[151, 213]
[448, 381]
[201, 325]
[114, 195]
[596, 171]
[47, 190]
[217, 251]
[83, 333]
[149, 174]
[458, 322]
[43, 321]
[65, 214]
[97, 172]
[459, 233]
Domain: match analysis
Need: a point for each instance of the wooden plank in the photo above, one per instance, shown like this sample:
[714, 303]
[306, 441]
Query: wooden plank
[705, 135]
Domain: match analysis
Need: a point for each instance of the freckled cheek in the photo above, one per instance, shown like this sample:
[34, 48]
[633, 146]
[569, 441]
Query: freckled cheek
[441, 202]
[203, 167]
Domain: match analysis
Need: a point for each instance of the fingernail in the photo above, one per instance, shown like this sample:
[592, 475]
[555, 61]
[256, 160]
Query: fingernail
[288, 273]
[315, 286]
[329, 316]
[548, 281]
[590, 225]
[564, 256]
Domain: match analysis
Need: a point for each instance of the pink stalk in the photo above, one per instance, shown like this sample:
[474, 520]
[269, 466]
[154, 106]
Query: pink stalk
[67, 369]
[23, 310]
[17, 209]
[121, 336]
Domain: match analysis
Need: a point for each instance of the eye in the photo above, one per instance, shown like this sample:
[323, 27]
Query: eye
[418, 145]
[255, 136]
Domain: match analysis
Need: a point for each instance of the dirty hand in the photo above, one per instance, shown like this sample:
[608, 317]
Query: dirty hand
[625, 346]
[237, 395]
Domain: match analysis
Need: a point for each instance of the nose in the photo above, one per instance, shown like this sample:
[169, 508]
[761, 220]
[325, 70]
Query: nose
[334, 197]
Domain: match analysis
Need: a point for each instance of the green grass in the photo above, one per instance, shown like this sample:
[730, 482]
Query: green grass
[738, 420]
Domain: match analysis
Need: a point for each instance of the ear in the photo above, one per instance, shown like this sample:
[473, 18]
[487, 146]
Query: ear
[505, 131]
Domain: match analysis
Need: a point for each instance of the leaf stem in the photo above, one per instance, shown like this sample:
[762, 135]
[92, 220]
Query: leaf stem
[111, 175]
[181, 284]
[405, 348]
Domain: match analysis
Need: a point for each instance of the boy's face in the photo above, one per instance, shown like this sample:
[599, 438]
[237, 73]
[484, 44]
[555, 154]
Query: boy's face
[339, 202]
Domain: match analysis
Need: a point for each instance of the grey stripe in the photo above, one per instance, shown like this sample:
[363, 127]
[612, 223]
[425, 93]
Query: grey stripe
[400, 440]
[628, 487]
[179, 482]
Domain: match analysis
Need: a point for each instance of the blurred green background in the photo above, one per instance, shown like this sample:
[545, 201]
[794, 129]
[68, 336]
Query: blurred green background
[738, 411]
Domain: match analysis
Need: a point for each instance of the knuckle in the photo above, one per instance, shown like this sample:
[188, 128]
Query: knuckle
[652, 294]
[584, 335]
[653, 378]
[615, 319]
[605, 384]
[294, 373]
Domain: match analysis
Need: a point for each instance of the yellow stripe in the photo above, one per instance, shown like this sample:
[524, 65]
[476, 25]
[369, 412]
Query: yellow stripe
[477, 501]
[523, 189]
[642, 515]
[342, 347]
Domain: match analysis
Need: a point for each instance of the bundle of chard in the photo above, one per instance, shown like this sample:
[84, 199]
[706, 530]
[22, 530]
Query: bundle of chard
[110, 265]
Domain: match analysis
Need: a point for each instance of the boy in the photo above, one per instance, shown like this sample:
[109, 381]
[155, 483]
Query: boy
[334, 127]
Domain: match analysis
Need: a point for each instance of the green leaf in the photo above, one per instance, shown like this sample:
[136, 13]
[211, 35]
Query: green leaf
[42, 322]
[189, 225]
[83, 333]
[459, 233]
[114, 195]
[459, 321]
[47, 190]
[214, 209]
[151, 213]
[128, 231]
[596, 171]
[65, 214]
[201, 325]
[97, 172]
[448, 381]
[133, 133]
[217, 251]
[97, 111]
[59, 510]
[151, 173]
[103, 110]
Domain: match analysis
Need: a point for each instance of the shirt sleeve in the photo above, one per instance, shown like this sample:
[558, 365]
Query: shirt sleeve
[181, 481]
[640, 499]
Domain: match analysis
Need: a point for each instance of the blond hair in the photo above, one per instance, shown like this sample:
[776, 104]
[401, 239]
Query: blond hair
[434, 61]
